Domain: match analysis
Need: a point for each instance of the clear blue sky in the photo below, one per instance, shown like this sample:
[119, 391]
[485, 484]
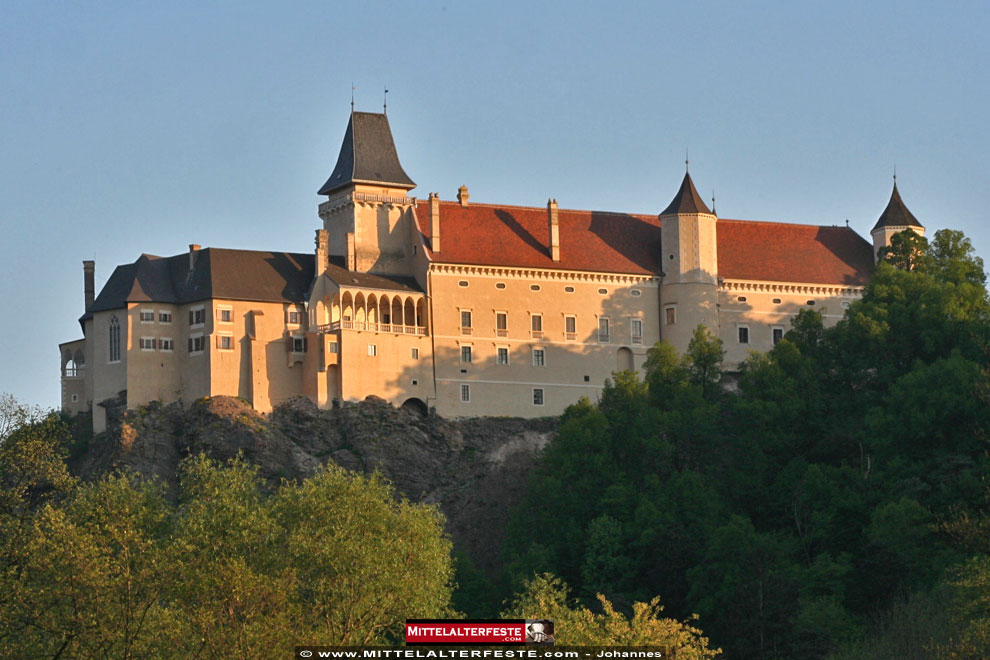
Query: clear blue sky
[143, 127]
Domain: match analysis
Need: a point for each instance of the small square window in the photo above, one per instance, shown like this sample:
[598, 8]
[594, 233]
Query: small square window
[503, 355]
[147, 343]
[197, 343]
[465, 393]
[372, 350]
[166, 344]
[164, 317]
[778, 334]
[225, 314]
[539, 357]
[225, 342]
[294, 317]
[333, 347]
[466, 354]
[299, 345]
[197, 317]
[414, 353]
[743, 334]
[671, 315]
[537, 396]
[147, 316]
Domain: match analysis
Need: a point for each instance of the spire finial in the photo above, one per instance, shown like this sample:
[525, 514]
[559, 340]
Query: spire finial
[352, 98]
[895, 175]
[385, 104]
[713, 202]
[687, 162]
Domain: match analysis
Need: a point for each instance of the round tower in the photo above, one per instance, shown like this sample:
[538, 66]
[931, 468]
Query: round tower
[894, 219]
[689, 267]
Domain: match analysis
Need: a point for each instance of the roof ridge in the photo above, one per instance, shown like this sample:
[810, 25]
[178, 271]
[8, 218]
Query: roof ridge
[778, 223]
[454, 202]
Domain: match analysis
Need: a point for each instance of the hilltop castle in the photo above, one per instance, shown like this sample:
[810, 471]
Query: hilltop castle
[471, 309]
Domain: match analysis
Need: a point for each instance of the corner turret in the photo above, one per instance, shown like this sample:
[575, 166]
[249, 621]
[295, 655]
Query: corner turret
[894, 219]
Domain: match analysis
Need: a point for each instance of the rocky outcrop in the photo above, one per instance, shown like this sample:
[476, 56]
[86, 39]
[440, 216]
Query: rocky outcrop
[474, 469]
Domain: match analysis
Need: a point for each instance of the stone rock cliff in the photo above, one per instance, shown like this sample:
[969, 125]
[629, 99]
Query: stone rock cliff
[474, 469]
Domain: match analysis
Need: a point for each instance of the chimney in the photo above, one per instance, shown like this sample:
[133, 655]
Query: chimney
[322, 251]
[351, 252]
[553, 225]
[89, 286]
[193, 249]
[463, 196]
[435, 222]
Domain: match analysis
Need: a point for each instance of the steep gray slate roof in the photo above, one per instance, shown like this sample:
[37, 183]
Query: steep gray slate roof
[367, 155]
[229, 275]
[896, 214]
[687, 199]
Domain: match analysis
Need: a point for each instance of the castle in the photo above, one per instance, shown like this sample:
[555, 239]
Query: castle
[466, 308]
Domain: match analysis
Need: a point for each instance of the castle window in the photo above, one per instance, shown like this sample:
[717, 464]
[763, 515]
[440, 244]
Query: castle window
[777, 333]
[776, 301]
[466, 354]
[741, 298]
[414, 353]
[534, 287]
[603, 333]
[636, 330]
[570, 328]
[568, 289]
[225, 314]
[536, 326]
[147, 316]
[671, 315]
[539, 357]
[465, 393]
[164, 317]
[466, 322]
[114, 340]
[743, 334]
[462, 283]
[603, 291]
[225, 342]
[500, 285]
[293, 317]
[372, 350]
[635, 293]
[503, 355]
[333, 347]
[298, 344]
[197, 344]
[197, 317]
[501, 324]
[166, 344]
[537, 396]
[147, 343]
[811, 302]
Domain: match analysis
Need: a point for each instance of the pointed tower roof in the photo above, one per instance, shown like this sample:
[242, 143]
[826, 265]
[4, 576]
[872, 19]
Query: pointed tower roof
[896, 214]
[687, 199]
[367, 155]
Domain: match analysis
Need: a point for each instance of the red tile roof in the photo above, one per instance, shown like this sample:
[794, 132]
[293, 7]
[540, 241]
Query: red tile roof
[778, 252]
[517, 236]
[514, 236]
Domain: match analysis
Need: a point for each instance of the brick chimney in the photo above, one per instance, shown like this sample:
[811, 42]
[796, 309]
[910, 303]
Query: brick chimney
[553, 225]
[435, 222]
[193, 249]
[463, 196]
[322, 251]
[89, 284]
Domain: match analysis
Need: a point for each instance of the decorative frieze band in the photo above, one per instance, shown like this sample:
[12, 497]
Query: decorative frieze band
[540, 274]
[351, 198]
[789, 287]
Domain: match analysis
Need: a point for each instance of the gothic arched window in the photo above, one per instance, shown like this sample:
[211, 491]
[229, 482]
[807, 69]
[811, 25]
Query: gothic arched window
[114, 339]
